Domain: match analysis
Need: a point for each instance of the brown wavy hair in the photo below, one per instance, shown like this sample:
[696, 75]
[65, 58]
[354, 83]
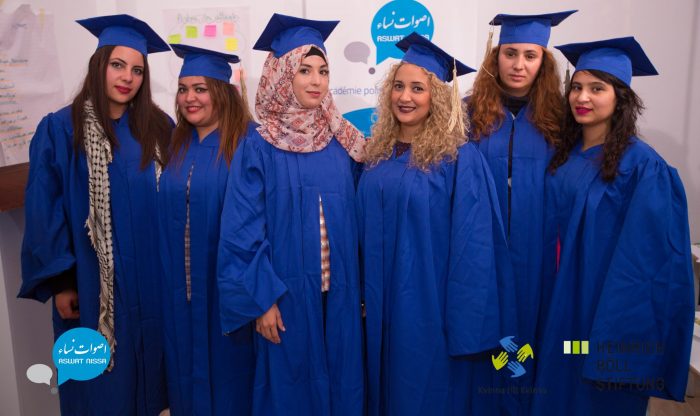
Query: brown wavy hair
[233, 115]
[433, 144]
[485, 107]
[149, 125]
[628, 107]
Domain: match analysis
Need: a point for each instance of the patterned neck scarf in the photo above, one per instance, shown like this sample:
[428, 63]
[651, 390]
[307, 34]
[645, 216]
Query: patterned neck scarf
[287, 125]
[98, 152]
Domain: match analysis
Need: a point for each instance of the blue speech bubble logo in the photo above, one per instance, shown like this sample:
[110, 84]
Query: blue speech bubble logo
[396, 20]
[80, 354]
[363, 119]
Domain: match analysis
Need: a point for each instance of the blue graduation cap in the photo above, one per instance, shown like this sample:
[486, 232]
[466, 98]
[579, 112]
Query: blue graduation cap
[533, 28]
[204, 62]
[620, 57]
[424, 53]
[124, 30]
[284, 33]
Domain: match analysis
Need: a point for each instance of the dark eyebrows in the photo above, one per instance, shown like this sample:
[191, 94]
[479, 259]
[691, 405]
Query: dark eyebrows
[124, 62]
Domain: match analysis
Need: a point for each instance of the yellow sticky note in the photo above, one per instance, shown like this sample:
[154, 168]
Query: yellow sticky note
[584, 347]
[576, 347]
[191, 31]
[231, 44]
[228, 28]
[175, 38]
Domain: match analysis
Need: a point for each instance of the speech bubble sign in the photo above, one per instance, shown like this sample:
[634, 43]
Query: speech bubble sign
[357, 52]
[40, 374]
[396, 20]
[363, 119]
[80, 354]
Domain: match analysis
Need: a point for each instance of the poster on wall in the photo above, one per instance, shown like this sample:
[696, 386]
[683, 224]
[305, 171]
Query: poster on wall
[220, 29]
[30, 79]
[362, 47]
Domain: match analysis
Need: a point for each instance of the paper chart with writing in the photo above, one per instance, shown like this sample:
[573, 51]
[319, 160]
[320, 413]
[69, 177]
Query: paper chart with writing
[30, 79]
[220, 29]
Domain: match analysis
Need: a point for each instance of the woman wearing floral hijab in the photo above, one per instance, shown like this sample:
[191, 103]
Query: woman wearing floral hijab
[288, 254]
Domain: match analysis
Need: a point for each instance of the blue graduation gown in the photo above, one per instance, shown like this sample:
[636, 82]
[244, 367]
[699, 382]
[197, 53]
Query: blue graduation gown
[56, 241]
[523, 218]
[522, 210]
[270, 251]
[437, 284]
[624, 284]
[208, 373]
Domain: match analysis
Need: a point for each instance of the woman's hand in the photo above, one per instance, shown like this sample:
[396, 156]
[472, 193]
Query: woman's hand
[67, 304]
[268, 323]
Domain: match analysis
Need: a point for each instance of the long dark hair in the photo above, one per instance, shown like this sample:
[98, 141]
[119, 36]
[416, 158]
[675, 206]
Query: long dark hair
[628, 108]
[485, 106]
[149, 125]
[233, 117]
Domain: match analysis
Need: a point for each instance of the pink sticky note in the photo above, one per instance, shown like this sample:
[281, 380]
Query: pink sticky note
[237, 76]
[210, 31]
[228, 29]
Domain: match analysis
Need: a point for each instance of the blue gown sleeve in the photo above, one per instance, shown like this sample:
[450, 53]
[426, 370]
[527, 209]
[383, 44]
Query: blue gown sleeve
[248, 284]
[480, 305]
[644, 319]
[47, 249]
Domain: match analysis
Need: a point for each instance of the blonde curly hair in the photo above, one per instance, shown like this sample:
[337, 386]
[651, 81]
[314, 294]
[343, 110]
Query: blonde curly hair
[433, 144]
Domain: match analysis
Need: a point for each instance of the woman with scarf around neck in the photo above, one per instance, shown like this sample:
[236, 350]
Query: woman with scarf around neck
[436, 271]
[515, 115]
[623, 282]
[288, 254]
[90, 239]
[208, 373]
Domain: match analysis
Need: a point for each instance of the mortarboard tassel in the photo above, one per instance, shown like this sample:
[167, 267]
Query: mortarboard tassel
[567, 78]
[244, 89]
[456, 117]
[489, 43]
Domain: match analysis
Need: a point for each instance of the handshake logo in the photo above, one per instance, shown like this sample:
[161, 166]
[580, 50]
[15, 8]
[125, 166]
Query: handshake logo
[504, 359]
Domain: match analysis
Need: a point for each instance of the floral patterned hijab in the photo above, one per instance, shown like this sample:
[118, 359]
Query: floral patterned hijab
[287, 125]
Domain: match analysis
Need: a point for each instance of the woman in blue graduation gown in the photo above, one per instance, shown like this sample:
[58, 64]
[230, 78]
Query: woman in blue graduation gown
[435, 261]
[288, 255]
[620, 316]
[515, 113]
[90, 239]
[208, 373]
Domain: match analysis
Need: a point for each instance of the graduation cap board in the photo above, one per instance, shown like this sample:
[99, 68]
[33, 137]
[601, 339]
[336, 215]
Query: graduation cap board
[124, 30]
[534, 28]
[284, 33]
[205, 62]
[424, 53]
[620, 57]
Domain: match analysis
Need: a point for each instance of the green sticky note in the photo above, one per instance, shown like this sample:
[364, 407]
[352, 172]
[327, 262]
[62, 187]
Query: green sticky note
[584, 347]
[576, 347]
[191, 31]
[175, 38]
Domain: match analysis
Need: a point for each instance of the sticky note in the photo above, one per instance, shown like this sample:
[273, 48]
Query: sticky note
[210, 31]
[228, 29]
[231, 44]
[237, 76]
[567, 347]
[191, 31]
[576, 347]
[584, 347]
[175, 38]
